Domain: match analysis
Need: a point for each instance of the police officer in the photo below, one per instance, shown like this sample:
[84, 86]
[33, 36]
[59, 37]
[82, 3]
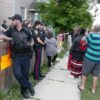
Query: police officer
[38, 50]
[20, 57]
[42, 32]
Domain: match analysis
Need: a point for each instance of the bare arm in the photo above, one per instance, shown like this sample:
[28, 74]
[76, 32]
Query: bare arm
[5, 38]
[39, 41]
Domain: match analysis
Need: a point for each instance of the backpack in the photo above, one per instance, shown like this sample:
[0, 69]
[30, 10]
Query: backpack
[82, 46]
[19, 41]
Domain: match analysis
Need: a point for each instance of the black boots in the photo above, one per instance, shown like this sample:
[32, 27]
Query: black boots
[25, 92]
[41, 75]
[32, 92]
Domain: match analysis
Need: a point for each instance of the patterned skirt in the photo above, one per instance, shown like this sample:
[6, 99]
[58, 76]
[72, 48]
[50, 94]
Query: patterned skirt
[69, 62]
[76, 68]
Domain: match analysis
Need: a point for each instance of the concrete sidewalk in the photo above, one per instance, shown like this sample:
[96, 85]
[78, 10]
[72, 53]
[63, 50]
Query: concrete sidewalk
[57, 85]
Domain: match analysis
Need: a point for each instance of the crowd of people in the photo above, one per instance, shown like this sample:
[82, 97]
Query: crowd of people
[84, 56]
[25, 39]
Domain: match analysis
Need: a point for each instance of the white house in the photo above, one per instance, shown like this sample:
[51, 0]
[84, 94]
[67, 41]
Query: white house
[11, 7]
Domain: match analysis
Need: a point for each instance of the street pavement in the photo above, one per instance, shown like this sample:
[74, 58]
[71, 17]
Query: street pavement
[57, 85]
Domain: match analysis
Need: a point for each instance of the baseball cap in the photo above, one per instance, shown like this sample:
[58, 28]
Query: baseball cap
[16, 16]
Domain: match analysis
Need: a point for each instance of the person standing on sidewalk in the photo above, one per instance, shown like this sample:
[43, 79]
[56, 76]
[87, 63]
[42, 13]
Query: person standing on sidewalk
[77, 53]
[91, 63]
[51, 48]
[37, 74]
[20, 47]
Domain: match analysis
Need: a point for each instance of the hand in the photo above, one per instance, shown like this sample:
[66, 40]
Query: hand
[44, 43]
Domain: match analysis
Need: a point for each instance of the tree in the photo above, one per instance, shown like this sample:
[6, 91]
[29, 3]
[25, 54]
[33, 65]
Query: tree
[66, 14]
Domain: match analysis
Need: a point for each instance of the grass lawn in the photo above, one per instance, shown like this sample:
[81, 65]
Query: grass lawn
[86, 94]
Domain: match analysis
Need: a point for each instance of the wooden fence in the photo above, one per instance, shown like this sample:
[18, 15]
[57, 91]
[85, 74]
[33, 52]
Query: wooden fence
[6, 74]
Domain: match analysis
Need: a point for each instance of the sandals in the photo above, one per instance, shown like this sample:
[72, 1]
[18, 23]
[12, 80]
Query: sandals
[80, 88]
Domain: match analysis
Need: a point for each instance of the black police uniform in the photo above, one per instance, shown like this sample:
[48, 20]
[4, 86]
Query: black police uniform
[42, 35]
[21, 63]
[38, 54]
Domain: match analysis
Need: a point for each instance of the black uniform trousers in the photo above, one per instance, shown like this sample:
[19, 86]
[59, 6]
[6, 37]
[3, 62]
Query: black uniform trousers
[21, 66]
[37, 66]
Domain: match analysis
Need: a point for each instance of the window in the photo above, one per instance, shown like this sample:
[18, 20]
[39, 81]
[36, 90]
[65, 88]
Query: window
[23, 13]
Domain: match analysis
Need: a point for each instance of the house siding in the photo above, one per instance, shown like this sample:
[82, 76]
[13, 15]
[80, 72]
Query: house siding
[22, 3]
[11, 7]
[6, 9]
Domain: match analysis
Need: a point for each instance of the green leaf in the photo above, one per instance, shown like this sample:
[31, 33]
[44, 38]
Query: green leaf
[67, 14]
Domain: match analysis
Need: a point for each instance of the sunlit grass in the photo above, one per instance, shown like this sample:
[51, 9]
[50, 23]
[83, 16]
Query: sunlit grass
[87, 94]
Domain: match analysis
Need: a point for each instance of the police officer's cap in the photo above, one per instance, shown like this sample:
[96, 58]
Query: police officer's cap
[17, 17]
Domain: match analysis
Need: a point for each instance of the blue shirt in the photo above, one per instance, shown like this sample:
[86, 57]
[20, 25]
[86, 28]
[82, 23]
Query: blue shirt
[93, 49]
